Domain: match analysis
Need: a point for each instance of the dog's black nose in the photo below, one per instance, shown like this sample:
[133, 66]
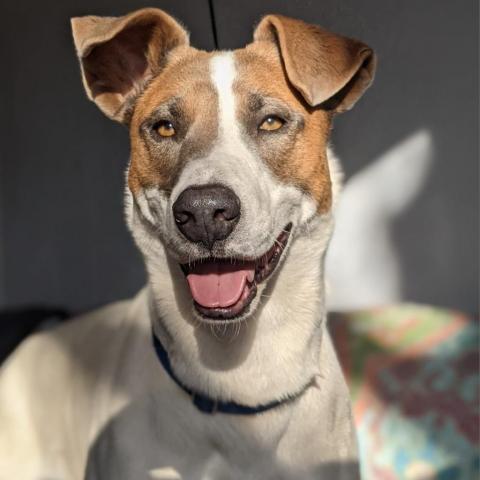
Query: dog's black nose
[206, 213]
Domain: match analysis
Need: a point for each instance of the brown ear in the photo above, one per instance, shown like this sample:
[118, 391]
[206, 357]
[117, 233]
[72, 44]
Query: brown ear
[118, 55]
[322, 66]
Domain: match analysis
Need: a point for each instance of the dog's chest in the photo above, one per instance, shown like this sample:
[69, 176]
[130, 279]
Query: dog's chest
[159, 430]
[163, 433]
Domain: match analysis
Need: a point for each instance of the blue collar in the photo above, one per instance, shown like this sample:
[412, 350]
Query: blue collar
[208, 405]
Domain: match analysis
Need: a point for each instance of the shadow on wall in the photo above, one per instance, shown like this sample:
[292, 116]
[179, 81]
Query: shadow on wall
[363, 266]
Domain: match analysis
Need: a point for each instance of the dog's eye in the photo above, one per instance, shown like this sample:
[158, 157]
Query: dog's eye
[271, 123]
[164, 128]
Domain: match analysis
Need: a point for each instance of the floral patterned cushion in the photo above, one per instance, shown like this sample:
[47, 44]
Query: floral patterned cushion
[413, 372]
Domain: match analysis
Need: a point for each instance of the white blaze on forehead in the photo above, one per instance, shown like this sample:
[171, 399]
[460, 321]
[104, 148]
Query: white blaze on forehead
[223, 75]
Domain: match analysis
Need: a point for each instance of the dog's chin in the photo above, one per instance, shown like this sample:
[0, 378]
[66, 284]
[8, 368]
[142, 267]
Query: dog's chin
[225, 290]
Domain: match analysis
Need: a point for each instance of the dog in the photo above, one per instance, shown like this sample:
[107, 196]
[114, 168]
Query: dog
[222, 366]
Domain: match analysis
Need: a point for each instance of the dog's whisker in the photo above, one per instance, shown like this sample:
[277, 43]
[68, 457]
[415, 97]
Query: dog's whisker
[213, 329]
[236, 333]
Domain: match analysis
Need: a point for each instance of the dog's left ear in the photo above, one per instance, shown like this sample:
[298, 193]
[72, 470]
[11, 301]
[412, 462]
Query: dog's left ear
[324, 67]
[118, 55]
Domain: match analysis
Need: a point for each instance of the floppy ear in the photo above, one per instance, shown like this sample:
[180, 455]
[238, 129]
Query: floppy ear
[321, 65]
[118, 55]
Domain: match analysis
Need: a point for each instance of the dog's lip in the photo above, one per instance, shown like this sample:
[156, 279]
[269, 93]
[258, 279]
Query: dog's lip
[265, 265]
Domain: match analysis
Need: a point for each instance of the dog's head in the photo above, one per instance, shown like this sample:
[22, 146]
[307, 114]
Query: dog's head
[228, 160]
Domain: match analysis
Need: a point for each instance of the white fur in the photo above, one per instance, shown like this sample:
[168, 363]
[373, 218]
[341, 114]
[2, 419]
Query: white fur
[124, 417]
[222, 67]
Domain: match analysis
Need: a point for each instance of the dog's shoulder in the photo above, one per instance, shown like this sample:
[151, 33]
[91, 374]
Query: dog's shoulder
[72, 340]
[82, 347]
[58, 371]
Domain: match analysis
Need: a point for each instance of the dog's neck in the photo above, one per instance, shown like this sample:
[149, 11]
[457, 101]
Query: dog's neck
[270, 356]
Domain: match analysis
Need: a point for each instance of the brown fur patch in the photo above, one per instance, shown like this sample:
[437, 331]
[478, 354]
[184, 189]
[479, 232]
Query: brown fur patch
[183, 86]
[296, 156]
[320, 64]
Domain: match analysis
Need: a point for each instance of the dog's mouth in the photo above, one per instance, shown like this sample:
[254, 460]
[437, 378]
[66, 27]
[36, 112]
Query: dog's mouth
[223, 289]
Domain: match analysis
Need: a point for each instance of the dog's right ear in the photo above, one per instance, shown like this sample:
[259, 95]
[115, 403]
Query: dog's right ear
[118, 55]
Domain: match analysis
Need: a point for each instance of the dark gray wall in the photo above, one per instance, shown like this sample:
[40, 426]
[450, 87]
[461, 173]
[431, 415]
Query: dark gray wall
[62, 236]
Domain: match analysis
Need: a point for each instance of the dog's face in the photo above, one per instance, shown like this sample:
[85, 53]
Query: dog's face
[228, 149]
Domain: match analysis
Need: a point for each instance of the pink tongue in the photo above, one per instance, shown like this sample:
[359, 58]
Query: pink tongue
[221, 285]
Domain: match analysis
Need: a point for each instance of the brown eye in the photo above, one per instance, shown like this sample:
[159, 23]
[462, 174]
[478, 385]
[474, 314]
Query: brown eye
[165, 128]
[271, 123]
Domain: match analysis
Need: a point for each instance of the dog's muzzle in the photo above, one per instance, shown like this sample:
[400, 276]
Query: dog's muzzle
[221, 288]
